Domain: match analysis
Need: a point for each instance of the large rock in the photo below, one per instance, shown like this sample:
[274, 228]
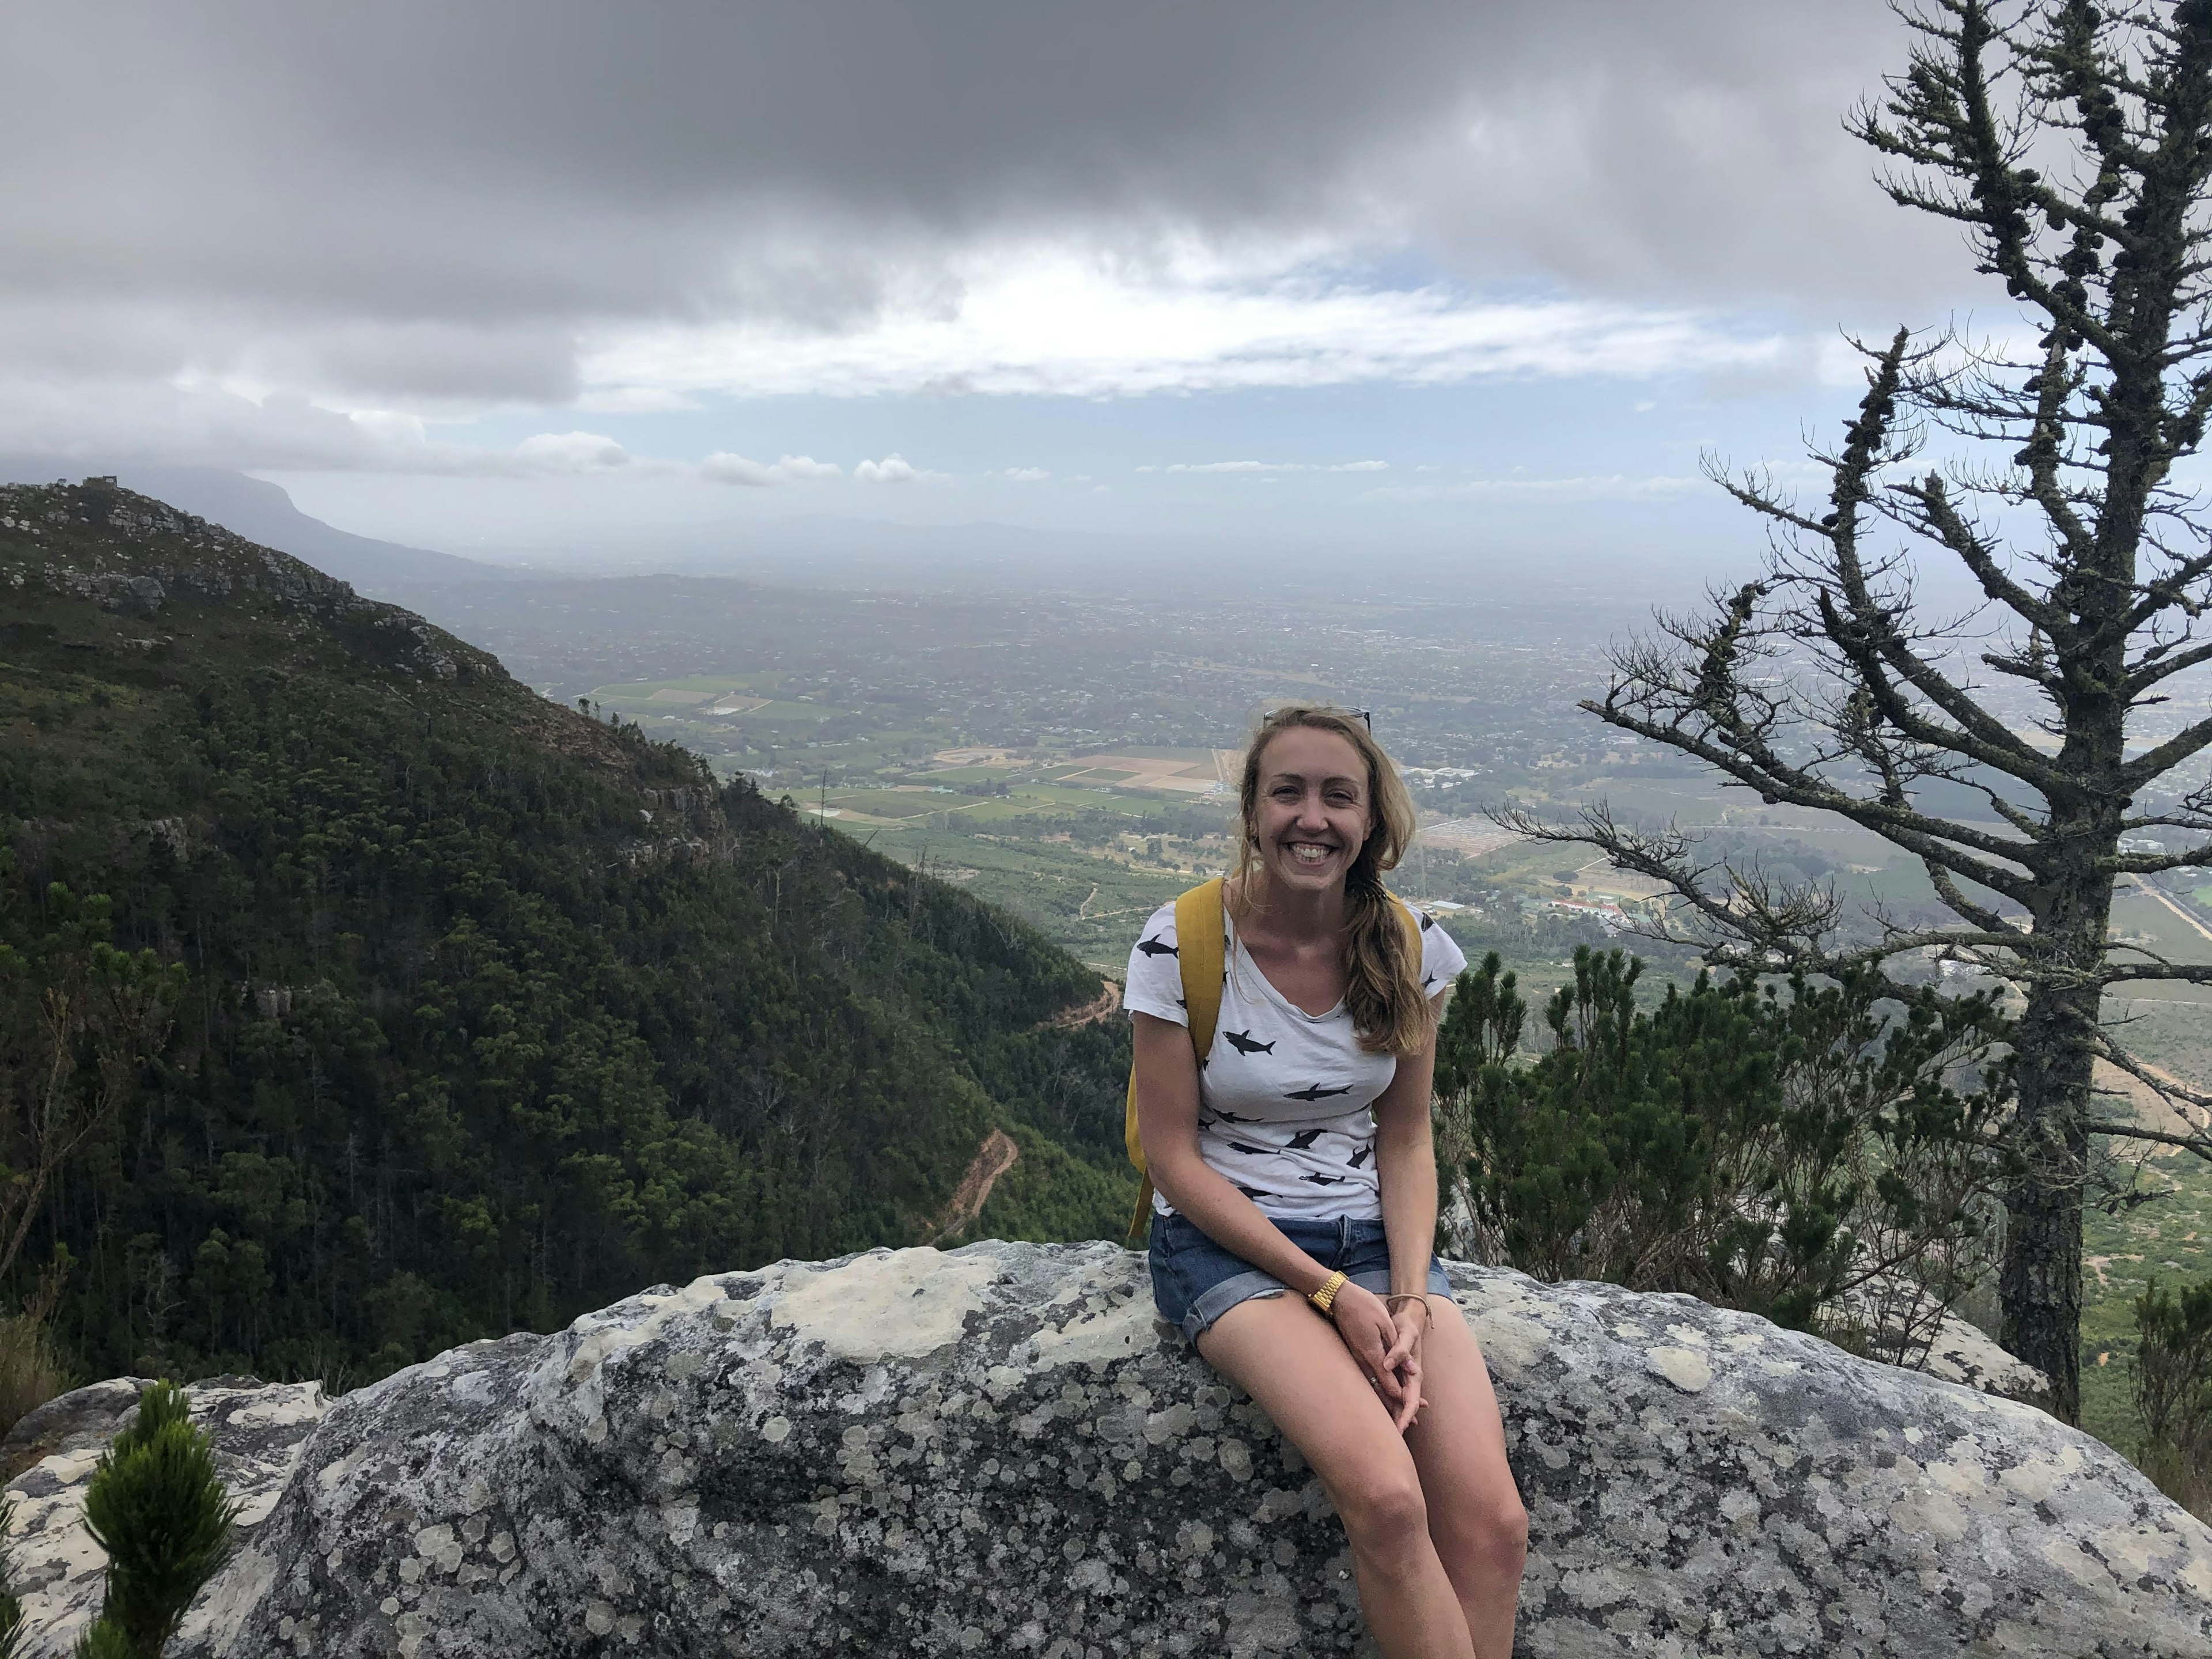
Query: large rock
[58, 1571]
[998, 1450]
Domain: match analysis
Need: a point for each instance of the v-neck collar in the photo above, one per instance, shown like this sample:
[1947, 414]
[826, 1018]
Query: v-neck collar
[1238, 952]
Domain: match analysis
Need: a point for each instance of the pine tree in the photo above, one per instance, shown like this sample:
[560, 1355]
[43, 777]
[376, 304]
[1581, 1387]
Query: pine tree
[159, 1508]
[2073, 145]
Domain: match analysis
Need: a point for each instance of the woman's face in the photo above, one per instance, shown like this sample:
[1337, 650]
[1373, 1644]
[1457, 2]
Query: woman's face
[1313, 812]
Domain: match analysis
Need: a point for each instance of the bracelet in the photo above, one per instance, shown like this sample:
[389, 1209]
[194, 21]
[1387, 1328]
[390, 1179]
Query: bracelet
[1325, 1298]
[1392, 1302]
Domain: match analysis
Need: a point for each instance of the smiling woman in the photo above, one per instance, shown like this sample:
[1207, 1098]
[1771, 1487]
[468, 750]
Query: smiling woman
[1284, 1111]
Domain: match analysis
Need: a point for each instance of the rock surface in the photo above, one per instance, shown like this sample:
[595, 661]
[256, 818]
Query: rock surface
[259, 1429]
[1960, 1352]
[998, 1450]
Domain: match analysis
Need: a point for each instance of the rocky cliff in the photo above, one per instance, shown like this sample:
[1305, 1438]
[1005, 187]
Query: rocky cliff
[998, 1450]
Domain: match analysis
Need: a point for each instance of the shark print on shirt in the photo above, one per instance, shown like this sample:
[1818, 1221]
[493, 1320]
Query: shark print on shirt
[1285, 1098]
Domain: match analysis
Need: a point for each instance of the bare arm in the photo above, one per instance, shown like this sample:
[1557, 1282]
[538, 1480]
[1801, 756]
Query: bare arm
[1167, 1119]
[1406, 1169]
[1406, 1165]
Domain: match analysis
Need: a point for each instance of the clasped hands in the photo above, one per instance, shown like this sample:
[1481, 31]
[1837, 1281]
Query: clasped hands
[1386, 1340]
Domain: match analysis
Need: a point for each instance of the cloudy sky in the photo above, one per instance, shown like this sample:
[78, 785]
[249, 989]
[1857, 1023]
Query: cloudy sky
[497, 275]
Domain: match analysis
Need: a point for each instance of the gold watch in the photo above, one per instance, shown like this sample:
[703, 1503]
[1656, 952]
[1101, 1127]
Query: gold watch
[1325, 1298]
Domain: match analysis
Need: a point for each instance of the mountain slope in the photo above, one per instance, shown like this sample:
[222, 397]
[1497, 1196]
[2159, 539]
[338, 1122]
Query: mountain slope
[493, 1012]
[263, 511]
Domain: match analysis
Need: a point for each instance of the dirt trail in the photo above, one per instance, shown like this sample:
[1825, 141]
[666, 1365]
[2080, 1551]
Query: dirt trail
[1101, 1007]
[997, 1155]
[2144, 887]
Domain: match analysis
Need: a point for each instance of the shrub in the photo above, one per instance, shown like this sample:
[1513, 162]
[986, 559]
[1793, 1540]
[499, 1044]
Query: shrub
[159, 1508]
[103, 1639]
[1821, 1157]
[31, 1369]
[2172, 1381]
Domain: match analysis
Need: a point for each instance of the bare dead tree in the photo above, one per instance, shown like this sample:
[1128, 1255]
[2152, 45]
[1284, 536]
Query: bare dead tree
[2073, 144]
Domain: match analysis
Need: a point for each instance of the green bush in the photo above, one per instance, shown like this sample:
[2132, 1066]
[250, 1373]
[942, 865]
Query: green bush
[1818, 1153]
[103, 1639]
[159, 1508]
[2172, 1381]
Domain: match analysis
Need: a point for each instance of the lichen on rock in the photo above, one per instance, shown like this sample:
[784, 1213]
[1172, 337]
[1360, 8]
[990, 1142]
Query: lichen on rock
[999, 1449]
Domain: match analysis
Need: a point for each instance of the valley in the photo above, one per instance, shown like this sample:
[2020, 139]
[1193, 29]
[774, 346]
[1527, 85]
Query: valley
[1072, 759]
[1064, 759]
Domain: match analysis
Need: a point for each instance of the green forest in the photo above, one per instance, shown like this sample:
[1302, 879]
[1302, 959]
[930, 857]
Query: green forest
[355, 1001]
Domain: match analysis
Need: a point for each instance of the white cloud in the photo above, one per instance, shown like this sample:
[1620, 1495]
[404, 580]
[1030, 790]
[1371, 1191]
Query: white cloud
[1273, 467]
[895, 469]
[1025, 474]
[570, 453]
[636, 400]
[1054, 321]
[196, 423]
[723, 467]
[1061, 207]
[1610, 487]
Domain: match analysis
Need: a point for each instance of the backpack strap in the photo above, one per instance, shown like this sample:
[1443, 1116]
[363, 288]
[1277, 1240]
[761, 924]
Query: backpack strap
[1199, 957]
[1414, 925]
[1201, 944]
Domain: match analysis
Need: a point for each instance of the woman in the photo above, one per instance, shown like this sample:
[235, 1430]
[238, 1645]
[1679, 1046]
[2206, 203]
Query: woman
[1297, 1187]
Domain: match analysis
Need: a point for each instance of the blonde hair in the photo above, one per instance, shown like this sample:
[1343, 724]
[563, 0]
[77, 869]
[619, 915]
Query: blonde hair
[1382, 969]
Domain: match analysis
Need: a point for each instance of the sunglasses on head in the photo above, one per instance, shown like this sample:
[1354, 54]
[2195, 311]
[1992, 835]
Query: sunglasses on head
[1366, 716]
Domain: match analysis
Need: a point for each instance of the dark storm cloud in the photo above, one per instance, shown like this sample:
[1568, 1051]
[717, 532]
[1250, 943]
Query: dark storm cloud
[427, 200]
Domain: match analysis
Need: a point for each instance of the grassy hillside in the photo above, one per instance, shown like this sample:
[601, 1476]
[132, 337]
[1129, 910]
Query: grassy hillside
[492, 1012]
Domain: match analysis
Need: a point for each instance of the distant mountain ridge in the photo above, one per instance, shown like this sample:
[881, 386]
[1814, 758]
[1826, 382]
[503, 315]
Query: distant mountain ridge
[494, 1012]
[263, 511]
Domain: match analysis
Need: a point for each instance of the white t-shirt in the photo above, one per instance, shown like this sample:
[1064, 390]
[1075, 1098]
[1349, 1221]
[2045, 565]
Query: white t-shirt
[1286, 1097]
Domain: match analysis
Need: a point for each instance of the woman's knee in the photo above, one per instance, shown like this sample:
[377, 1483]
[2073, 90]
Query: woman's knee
[1488, 1533]
[1505, 1532]
[1383, 1508]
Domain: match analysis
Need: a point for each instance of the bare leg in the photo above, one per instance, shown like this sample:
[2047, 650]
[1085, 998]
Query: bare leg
[1292, 1363]
[1475, 1517]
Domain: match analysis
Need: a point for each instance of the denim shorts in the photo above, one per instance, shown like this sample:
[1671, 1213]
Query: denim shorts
[1195, 1281]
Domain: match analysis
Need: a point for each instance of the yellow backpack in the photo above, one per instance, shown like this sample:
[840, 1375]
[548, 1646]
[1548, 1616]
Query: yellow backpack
[1199, 945]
